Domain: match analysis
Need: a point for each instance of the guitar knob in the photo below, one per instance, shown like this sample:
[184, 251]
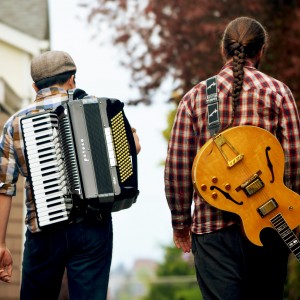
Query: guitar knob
[203, 187]
[214, 195]
[227, 186]
[214, 179]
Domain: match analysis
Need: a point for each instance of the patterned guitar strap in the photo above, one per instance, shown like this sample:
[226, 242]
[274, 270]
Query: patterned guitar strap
[212, 102]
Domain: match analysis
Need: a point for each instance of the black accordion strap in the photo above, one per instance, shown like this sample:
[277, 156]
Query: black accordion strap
[212, 102]
[74, 94]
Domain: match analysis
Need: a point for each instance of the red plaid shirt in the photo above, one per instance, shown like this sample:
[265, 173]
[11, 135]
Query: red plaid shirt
[264, 102]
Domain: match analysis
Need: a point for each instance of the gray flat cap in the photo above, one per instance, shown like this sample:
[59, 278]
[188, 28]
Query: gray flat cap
[51, 63]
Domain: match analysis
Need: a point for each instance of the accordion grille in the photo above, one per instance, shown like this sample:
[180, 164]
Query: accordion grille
[121, 146]
[98, 148]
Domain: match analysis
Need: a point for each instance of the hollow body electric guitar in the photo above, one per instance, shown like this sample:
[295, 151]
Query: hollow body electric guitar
[241, 171]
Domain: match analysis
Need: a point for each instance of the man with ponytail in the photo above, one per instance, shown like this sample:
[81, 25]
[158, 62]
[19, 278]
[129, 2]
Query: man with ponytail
[228, 265]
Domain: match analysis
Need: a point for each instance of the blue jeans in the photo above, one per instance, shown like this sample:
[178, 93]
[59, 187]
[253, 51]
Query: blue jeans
[229, 267]
[84, 249]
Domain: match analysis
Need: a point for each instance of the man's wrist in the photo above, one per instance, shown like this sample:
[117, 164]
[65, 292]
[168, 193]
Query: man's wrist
[183, 231]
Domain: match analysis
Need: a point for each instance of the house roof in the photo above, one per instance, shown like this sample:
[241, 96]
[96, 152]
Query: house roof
[29, 16]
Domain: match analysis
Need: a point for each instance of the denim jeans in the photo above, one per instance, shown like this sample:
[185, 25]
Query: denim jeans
[84, 249]
[229, 267]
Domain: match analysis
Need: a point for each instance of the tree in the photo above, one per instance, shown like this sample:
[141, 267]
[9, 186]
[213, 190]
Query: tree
[179, 39]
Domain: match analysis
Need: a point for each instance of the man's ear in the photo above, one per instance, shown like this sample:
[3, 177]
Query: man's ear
[223, 53]
[71, 82]
[35, 87]
[260, 54]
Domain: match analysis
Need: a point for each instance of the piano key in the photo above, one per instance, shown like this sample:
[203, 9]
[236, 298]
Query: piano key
[46, 212]
[42, 194]
[33, 125]
[36, 143]
[30, 133]
[38, 176]
[58, 183]
[49, 218]
[47, 190]
[49, 221]
[42, 198]
[43, 168]
[37, 158]
[50, 160]
[50, 178]
[47, 187]
[45, 175]
[44, 215]
[45, 157]
[34, 150]
[47, 204]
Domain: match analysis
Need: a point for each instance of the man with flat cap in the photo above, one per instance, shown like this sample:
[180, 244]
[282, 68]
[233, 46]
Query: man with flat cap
[82, 247]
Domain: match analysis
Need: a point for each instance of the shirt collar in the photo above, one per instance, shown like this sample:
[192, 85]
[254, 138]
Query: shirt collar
[248, 64]
[50, 92]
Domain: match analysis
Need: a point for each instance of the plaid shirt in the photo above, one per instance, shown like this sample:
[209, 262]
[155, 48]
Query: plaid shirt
[12, 160]
[264, 102]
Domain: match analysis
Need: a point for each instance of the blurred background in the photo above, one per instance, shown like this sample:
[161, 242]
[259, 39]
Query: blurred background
[146, 53]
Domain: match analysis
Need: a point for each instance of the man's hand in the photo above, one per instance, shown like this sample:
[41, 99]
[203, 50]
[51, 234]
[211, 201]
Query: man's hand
[6, 264]
[136, 141]
[182, 239]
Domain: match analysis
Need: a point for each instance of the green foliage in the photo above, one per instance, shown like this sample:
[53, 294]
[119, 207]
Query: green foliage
[176, 263]
[292, 288]
[175, 99]
[188, 294]
[176, 278]
[170, 120]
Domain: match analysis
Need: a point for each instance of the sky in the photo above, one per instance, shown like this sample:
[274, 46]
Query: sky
[141, 231]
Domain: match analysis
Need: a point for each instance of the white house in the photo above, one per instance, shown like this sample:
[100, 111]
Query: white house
[24, 33]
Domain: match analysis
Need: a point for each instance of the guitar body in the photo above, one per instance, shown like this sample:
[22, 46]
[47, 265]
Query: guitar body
[241, 171]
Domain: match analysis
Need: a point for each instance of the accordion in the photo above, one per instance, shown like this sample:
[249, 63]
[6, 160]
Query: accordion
[81, 152]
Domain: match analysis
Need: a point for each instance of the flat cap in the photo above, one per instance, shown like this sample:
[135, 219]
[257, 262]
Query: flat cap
[51, 63]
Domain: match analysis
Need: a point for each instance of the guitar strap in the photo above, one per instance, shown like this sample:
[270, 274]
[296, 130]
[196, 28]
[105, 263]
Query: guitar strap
[212, 102]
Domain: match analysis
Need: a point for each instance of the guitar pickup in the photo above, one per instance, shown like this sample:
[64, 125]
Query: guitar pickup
[267, 207]
[252, 185]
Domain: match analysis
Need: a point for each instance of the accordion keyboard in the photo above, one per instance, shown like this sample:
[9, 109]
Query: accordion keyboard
[44, 158]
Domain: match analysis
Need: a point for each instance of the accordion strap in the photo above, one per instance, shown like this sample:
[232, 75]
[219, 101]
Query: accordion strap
[212, 102]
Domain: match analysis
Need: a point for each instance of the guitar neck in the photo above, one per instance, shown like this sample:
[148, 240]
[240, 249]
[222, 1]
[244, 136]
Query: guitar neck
[287, 235]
